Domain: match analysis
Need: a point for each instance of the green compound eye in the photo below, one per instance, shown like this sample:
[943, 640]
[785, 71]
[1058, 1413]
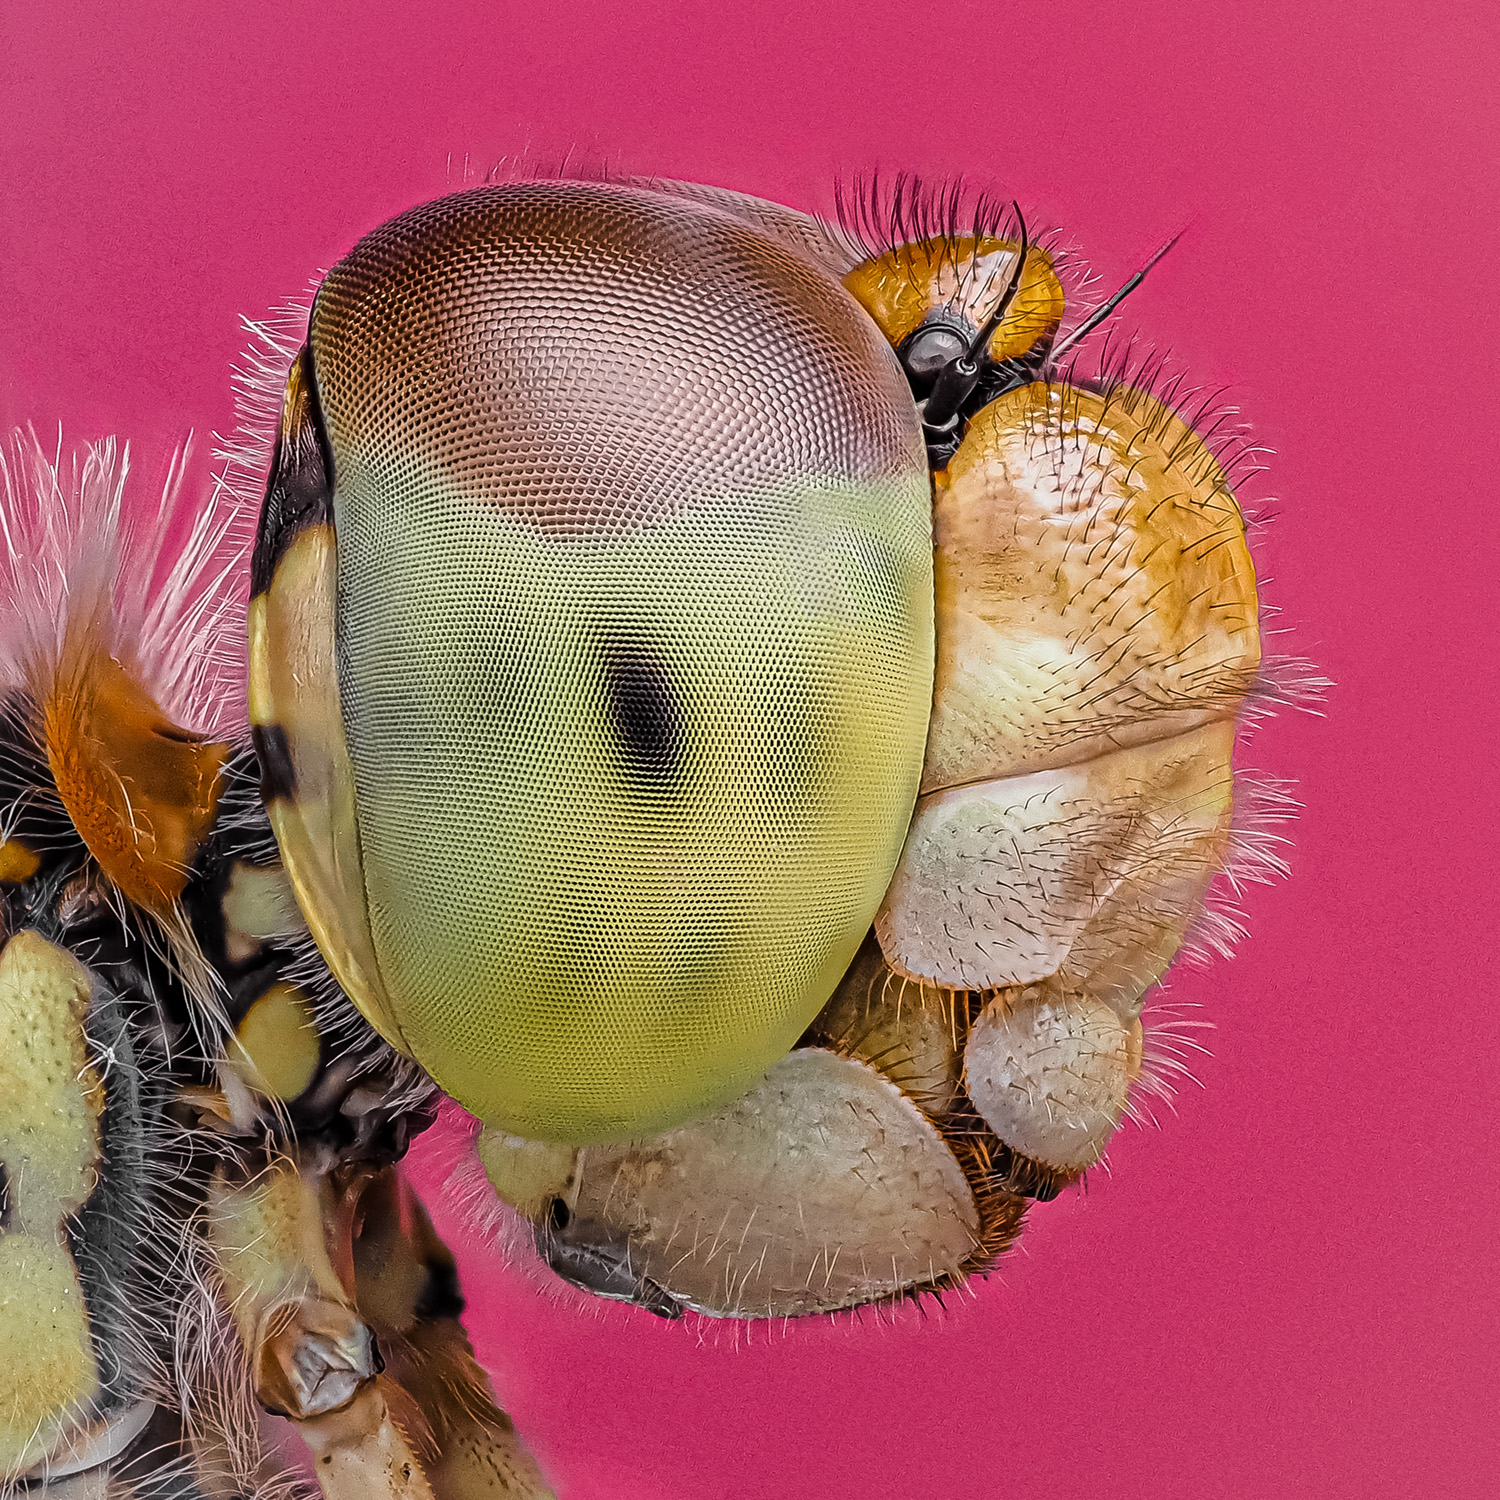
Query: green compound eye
[592, 646]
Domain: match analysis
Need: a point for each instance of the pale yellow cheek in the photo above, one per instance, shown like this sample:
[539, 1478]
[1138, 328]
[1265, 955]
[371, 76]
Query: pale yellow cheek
[1095, 869]
[1051, 1072]
[1094, 587]
[528, 1175]
[47, 1370]
[50, 1103]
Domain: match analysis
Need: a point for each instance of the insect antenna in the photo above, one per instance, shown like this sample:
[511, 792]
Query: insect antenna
[955, 384]
[1101, 312]
[982, 339]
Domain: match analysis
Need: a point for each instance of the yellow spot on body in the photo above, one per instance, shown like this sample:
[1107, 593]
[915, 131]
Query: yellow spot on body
[50, 1096]
[47, 1368]
[51, 1100]
[277, 1043]
[259, 907]
[17, 862]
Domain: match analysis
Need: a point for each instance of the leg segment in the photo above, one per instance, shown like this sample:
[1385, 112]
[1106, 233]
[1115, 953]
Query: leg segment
[347, 1304]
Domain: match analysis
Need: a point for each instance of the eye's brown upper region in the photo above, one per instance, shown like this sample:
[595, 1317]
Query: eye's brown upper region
[595, 357]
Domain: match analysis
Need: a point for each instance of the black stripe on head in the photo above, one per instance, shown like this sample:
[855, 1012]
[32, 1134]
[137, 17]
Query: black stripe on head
[278, 774]
[299, 492]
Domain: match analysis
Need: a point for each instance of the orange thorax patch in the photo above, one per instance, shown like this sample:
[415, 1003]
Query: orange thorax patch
[141, 792]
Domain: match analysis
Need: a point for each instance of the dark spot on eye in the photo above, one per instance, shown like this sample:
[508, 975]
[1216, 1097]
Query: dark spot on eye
[278, 776]
[643, 712]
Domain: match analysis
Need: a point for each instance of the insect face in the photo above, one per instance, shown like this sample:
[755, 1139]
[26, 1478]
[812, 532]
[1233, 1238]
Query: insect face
[592, 646]
[729, 707]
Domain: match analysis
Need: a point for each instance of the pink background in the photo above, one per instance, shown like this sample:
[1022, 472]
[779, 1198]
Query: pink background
[1291, 1289]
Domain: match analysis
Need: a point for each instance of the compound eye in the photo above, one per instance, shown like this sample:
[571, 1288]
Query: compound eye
[596, 683]
[936, 342]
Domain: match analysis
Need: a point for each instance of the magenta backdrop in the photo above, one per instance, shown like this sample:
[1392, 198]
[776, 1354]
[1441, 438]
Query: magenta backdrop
[1291, 1289]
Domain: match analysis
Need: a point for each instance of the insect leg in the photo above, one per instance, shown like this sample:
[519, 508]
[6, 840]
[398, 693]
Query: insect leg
[346, 1302]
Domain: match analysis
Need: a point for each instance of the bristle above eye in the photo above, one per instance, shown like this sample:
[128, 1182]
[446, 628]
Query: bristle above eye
[917, 244]
[242, 457]
[876, 214]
